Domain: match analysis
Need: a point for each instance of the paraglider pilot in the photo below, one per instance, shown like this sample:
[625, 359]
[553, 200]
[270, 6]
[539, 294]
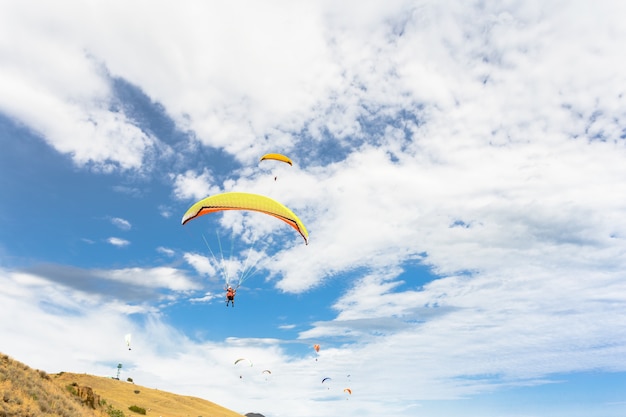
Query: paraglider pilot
[230, 295]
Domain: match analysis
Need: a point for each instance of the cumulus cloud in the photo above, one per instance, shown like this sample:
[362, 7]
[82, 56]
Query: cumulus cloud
[201, 263]
[191, 185]
[69, 103]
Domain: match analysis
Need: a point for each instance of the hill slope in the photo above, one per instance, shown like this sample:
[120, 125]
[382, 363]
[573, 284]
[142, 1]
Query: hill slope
[28, 392]
[121, 395]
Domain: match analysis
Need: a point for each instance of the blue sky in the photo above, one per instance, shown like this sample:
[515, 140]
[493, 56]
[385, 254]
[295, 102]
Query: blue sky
[459, 167]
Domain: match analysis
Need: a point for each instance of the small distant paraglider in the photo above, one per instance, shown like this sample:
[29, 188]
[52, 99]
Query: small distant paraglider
[317, 350]
[127, 340]
[247, 361]
[276, 157]
[243, 361]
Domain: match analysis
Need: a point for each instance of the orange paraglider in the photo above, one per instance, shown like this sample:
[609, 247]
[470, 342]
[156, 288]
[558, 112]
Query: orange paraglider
[317, 350]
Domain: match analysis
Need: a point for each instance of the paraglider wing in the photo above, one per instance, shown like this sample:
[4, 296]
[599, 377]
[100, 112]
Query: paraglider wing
[127, 340]
[276, 157]
[326, 379]
[246, 201]
[316, 347]
[267, 371]
[348, 390]
[243, 359]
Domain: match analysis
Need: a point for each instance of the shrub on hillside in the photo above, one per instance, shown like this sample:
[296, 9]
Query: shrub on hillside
[113, 412]
[137, 410]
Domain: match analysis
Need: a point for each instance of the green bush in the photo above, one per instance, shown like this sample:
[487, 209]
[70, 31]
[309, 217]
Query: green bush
[112, 412]
[137, 410]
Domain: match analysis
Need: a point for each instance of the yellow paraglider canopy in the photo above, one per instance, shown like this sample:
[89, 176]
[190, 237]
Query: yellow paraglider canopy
[246, 201]
[277, 157]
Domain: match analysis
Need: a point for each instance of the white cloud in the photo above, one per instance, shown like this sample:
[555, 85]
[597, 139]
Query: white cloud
[193, 186]
[165, 251]
[226, 267]
[62, 95]
[131, 285]
[116, 241]
[207, 298]
[263, 58]
[158, 277]
[121, 223]
[201, 263]
[165, 211]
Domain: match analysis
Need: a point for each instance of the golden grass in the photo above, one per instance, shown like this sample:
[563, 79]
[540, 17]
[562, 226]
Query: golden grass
[25, 392]
[28, 392]
[121, 395]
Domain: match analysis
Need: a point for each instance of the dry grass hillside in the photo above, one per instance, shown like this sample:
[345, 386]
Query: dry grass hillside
[28, 392]
[121, 395]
